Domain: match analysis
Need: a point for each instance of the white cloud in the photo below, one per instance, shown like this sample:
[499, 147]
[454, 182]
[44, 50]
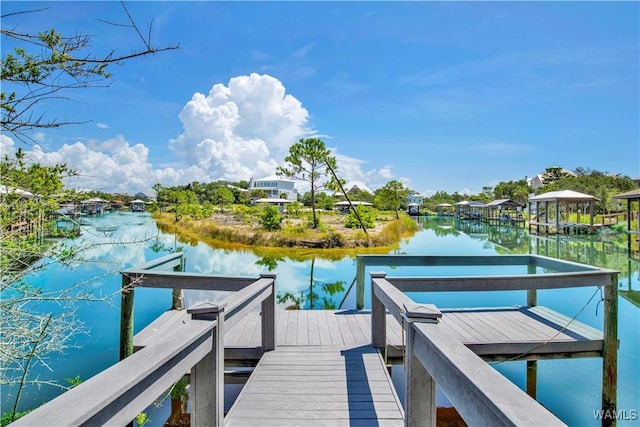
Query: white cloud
[7, 146]
[241, 130]
[102, 126]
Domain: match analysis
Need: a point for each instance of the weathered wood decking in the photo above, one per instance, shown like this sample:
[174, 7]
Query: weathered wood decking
[318, 386]
[492, 333]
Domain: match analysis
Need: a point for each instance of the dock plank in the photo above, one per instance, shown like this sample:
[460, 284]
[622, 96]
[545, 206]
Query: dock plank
[292, 386]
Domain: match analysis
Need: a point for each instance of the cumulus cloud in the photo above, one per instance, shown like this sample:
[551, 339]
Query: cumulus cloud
[113, 165]
[240, 130]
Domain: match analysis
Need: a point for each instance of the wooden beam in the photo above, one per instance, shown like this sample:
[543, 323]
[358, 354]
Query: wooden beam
[116, 395]
[479, 393]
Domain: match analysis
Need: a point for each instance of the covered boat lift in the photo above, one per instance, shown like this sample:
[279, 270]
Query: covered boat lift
[631, 197]
[557, 220]
[445, 209]
[503, 212]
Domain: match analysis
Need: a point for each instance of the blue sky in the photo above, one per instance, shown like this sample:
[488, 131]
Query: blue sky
[450, 96]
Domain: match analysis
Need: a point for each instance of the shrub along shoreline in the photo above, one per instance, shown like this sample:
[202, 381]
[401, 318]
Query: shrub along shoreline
[241, 231]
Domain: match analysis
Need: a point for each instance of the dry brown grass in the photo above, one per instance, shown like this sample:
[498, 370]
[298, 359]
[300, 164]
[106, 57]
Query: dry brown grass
[246, 230]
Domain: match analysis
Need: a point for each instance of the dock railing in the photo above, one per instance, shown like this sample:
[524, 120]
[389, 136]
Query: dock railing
[480, 394]
[118, 394]
[388, 293]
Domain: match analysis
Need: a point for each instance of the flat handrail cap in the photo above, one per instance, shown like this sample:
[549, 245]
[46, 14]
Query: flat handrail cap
[422, 311]
[206, 307]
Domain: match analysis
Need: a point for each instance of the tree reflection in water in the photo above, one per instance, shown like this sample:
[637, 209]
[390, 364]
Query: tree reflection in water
[317, 297]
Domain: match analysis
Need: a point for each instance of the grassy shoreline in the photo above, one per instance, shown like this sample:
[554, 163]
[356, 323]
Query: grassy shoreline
[227, 230]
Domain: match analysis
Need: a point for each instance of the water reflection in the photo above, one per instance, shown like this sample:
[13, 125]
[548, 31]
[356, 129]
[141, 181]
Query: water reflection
[318, 296]
[309, 279]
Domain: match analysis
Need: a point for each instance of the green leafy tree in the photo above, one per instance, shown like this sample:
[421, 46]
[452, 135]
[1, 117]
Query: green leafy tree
[553, 174]
[517, 191]
[271, 218]
[392, 196]
[223, 196]
[367, 218]
[258, 194]
[294, 209]
[309, 160]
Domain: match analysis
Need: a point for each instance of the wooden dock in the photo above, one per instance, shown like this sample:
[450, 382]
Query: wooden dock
[492, 333]
[327, 367]
[318, 386]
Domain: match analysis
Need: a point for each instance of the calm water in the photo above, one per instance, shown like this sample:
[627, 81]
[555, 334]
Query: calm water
[569, 388]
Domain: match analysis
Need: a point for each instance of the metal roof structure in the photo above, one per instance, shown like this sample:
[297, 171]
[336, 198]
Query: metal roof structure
[633, 194]
[563, 195]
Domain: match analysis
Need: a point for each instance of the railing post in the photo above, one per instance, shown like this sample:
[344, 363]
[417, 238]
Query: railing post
[610, 352]
[360, 267]
[269, 316]
[126, 317]
[378, 316]
[420, 397]
[177, 295]
[532, 294]
[207, 376]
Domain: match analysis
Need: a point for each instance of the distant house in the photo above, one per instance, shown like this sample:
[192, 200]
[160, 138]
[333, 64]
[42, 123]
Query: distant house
[137, 205]
[275, 187]
[537, 181]
[416, 198]
[353, 190]
[415, 202]
[636, 181]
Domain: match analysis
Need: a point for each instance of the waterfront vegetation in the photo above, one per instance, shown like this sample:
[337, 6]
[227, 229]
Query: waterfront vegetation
[244, 227]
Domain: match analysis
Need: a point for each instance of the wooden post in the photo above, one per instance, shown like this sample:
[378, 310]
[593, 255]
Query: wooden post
[126, 317]
[629, 226]
[378, 316]
[360, 267]
[532, 294]
[532, 365]
[591, 229]
[420, 397]
[269, 316]
[177, 296]
[207, 376]
[532, 378]
[610, 352]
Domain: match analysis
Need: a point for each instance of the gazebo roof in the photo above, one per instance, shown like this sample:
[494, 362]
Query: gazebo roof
[564, 195]
[633, 194]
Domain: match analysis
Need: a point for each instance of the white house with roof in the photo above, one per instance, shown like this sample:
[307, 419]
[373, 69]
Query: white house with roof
[415, 198]
[275, 187]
